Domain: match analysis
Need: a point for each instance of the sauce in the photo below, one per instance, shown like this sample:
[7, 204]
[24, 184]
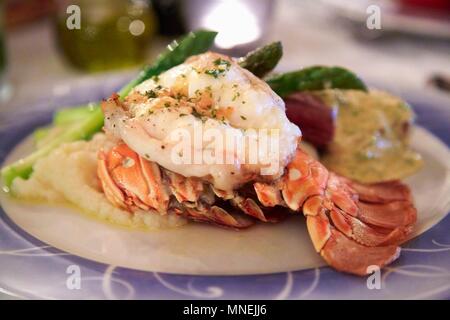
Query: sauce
[371, 138]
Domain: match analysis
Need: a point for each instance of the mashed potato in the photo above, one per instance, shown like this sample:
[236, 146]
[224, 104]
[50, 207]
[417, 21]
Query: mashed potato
[69, 175]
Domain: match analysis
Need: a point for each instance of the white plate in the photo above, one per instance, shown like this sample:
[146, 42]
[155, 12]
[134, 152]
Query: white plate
[203, 249]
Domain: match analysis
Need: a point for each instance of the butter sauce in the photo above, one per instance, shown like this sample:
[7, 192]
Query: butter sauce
[371, 136]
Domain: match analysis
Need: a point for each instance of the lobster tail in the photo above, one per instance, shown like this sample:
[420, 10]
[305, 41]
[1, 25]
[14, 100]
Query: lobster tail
[352, 226]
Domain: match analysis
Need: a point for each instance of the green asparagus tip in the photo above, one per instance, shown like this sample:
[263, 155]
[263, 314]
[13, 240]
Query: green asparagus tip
[9, 173]
[262, 60]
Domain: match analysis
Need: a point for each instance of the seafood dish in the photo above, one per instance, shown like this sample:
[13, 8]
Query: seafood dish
[206, 138]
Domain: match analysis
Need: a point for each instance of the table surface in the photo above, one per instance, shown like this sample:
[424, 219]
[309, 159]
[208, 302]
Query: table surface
[399, 63]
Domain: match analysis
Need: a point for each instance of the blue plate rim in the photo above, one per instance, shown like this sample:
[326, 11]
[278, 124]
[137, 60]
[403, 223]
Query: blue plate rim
[321, 283]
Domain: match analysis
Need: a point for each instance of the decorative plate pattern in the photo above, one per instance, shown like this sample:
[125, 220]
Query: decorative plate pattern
[32, 269]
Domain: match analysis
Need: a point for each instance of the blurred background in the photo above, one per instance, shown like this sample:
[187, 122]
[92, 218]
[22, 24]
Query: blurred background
[50, 49]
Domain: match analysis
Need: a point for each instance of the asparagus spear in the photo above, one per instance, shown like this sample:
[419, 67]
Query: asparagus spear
[262, 60]
[176, 52]
[259, 61]
[194, 43]
[315, 78]
[24, 167]
[70, 115]
[40, 134]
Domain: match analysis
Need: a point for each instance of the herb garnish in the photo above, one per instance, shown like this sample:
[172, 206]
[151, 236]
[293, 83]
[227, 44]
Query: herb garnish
[222, 64]
[151, 94]
[214, 72]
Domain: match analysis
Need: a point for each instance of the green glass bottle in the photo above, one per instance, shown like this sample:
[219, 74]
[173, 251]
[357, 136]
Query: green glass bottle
[110, 34]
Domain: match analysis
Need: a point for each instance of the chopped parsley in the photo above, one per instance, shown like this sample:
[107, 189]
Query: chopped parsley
[196, 114]
[179, 96]
[215, 72]
[222, 66]
[221, 62]
[151, 94]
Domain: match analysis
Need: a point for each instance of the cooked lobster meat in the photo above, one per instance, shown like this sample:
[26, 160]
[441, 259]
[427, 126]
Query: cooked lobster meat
[352, 226]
